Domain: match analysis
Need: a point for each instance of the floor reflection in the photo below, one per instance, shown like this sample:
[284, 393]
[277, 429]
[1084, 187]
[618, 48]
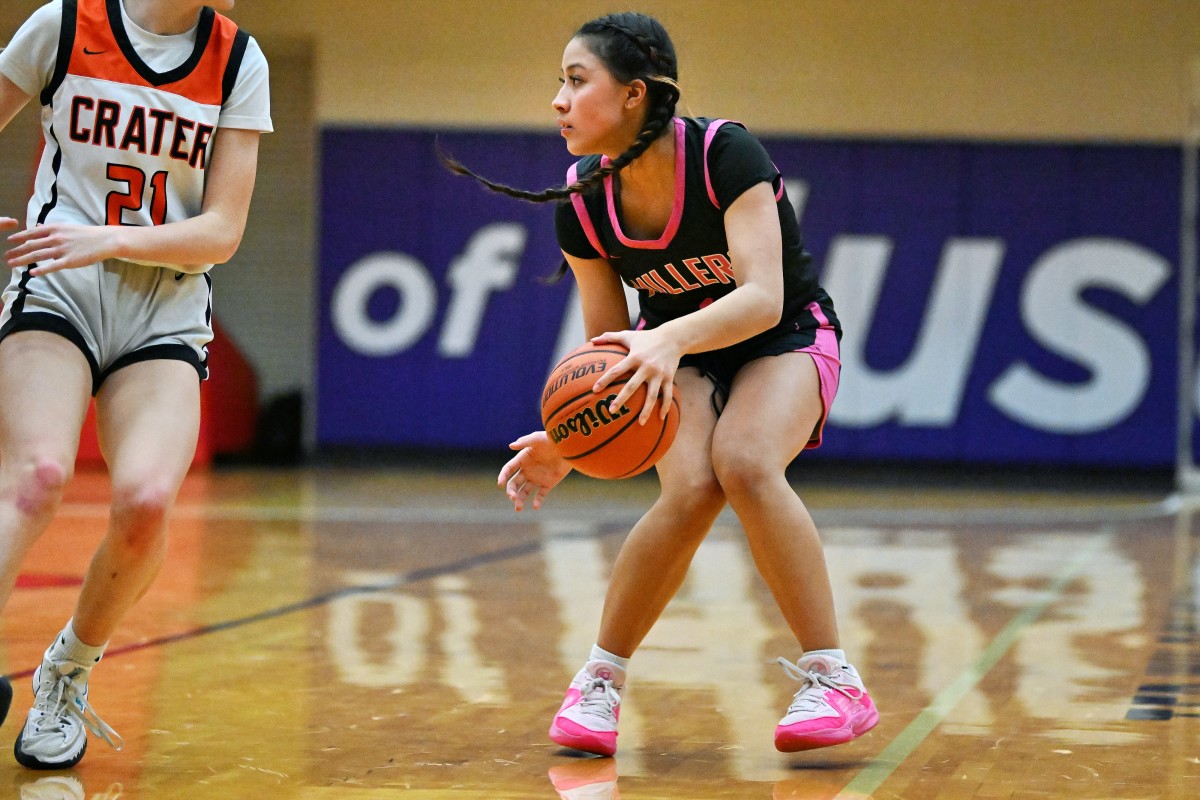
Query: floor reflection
[341, 635]
[586, 779]
[63, 786]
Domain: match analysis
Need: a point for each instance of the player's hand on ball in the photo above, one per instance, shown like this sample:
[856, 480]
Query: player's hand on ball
[653, 359]
[533, 471]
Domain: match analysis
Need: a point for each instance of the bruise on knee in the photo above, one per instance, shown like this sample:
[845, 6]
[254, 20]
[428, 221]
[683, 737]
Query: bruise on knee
[40, 487]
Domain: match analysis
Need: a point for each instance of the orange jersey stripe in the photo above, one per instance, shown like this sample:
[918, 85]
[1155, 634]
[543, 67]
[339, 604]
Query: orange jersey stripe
[97, 53]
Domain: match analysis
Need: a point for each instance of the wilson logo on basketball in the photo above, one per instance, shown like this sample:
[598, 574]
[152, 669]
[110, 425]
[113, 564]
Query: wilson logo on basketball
[567, 376]
[580, 426]
[587, 420]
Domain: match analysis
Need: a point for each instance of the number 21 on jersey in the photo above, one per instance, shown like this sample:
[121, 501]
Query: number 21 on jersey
[134, 196]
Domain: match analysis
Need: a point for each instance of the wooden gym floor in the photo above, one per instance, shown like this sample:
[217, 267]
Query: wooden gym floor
[351, 634]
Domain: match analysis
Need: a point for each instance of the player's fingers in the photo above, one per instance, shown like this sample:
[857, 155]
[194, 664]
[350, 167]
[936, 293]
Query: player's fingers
[610, 336]
[20, 237]
[652, 397]
[43, 232]
[627, 389]
[20, 250]
[516, 493]
[540, 496]
[32, 253]
[668, 393]
[528, 440]
[612, 373]
[510, 469]
[43, 266]
[525, 494]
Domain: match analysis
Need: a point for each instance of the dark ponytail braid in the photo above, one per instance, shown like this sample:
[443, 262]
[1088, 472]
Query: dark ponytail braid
[632, 46]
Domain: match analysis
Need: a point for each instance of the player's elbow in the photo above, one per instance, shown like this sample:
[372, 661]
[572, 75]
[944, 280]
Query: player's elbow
[225, 237]
[767, 309]
[226, 248]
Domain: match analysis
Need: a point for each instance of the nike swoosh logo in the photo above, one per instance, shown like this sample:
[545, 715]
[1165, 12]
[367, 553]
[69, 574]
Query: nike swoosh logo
[87, 52]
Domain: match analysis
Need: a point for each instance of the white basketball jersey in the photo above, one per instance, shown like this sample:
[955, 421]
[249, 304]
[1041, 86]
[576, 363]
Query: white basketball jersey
[111, 121]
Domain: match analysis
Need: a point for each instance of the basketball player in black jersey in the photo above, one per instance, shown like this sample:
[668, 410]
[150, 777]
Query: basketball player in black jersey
[693, 214]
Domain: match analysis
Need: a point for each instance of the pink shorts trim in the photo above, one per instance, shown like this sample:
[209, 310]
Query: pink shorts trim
[827, 357]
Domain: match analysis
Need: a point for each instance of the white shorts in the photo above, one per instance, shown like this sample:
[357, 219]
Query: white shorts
[116, 313]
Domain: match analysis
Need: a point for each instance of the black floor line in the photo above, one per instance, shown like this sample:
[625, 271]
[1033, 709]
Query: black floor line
[406, 579]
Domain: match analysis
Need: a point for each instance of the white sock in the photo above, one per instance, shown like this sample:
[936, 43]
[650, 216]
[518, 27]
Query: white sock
[600, 654]
[68, 647]
[838, 655]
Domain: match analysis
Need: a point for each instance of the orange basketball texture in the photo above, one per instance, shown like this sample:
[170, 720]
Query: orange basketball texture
[593, 440]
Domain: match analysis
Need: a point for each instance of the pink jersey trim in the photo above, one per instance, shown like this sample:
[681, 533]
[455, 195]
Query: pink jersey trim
[709, 135]
[581, 211]
[676, 210]
[827, 359]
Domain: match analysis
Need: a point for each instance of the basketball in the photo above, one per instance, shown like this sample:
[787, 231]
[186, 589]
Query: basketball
[593, 440]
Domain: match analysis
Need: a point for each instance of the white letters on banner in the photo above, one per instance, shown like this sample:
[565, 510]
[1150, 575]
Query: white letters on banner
[925, 391]
[489, 264]
[418, 303]
[1114, 354]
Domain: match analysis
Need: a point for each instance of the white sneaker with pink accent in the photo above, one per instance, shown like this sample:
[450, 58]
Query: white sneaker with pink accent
[832, 706]
[587, 719]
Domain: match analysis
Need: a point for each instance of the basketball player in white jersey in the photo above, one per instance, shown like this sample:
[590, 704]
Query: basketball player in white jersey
[151, 113]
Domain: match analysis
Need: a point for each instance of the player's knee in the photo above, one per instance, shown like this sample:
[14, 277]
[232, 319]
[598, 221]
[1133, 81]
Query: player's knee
[740, 471]
[140, 513]
[41, 484]
[694, 491]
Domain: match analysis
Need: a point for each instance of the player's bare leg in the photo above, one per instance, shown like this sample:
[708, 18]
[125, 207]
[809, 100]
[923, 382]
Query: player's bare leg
[773, 408]
[647, 573]
[46, 383]
[148, 419]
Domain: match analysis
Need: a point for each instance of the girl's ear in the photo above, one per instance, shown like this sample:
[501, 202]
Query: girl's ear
[635, 93]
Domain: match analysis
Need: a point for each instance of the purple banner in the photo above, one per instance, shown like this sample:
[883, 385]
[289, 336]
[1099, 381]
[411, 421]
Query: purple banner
[1001, 303]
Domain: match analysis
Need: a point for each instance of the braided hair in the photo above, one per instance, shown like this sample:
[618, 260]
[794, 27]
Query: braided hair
[632, 46]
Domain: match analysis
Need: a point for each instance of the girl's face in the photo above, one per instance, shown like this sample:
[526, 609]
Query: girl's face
[221, 5]
[596, 112]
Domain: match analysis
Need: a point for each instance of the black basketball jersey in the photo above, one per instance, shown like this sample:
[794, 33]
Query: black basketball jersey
[688, 267]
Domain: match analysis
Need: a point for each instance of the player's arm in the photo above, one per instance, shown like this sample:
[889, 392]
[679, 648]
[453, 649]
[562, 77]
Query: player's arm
[12, 100]
[537, 467]
[214, 235]
[211, 237]
[756, 251]
[600, 294]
